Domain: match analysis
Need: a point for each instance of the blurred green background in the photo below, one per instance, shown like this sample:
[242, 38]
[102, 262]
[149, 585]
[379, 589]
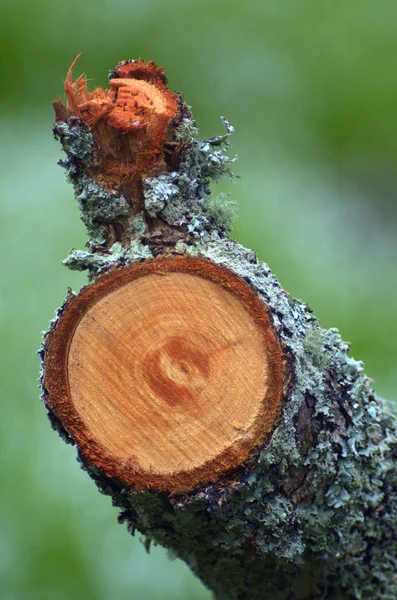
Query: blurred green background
[311, 88]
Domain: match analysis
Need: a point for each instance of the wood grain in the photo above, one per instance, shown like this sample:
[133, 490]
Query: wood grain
[169, 373]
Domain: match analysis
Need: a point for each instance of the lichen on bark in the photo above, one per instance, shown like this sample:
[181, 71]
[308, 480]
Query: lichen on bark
[177, 206]
[313, 514]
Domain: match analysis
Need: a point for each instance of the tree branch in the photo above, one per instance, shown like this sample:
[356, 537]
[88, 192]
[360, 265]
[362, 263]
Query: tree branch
[209, 404]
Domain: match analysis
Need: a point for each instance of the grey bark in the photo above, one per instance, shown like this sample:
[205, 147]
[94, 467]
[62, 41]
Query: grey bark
[314, 514]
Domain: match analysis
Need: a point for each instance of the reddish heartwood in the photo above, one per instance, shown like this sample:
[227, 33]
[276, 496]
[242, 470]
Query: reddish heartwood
[133, 123]
[165, 383]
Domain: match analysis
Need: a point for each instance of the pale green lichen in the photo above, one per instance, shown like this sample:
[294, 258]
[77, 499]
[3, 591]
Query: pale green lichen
[77, 141]
[186, 131]
[158, 191]
[314, 516]
[137, 227]
[80, 260]
[180, 199]
[183, 197]
[221, 209]
[215, 162]
[98, 206]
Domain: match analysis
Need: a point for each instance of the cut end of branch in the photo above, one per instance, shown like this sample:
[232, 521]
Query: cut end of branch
[137, 99]
[131, 122]
[167, 374]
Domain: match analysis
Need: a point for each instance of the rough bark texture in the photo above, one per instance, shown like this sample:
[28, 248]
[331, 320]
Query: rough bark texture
[313, 515]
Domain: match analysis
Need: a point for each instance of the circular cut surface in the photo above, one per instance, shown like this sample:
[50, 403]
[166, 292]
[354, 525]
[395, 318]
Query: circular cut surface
[168, 371]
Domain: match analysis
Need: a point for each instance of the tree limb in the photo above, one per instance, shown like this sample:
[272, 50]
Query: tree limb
[226, 424]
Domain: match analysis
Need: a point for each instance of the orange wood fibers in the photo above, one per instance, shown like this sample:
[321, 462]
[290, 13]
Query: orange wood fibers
[130, 122]
[166, 373]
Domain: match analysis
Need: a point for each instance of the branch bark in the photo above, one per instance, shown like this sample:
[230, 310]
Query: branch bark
[223, 421]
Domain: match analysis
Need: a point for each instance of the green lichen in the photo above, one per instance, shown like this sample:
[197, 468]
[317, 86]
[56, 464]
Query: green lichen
[98, 206]
[137, 227]
[95, 263]
[77, 142]
[179, 200]
[221, 210]
[314, 346]
[158, 191]
[314, 515]
[183, 197]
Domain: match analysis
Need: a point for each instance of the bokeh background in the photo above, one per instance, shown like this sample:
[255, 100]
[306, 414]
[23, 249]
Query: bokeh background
[311, 88]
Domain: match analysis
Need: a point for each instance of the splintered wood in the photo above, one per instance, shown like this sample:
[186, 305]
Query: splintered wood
[172, 375]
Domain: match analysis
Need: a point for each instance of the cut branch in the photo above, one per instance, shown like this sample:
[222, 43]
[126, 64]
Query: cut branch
[165, 349]
[223, 421]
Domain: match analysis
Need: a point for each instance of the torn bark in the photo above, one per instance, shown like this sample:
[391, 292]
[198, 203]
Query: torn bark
[226, 424]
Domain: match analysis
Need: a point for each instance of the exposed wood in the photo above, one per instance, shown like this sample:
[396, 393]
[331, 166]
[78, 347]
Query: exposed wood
[169, 369]
[226, 424]
[130, 124]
